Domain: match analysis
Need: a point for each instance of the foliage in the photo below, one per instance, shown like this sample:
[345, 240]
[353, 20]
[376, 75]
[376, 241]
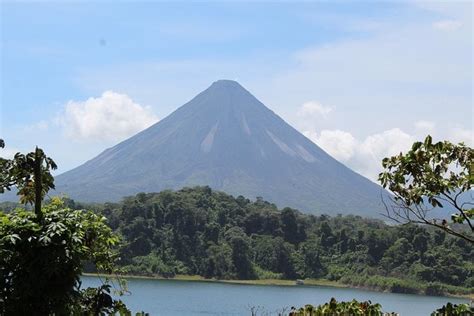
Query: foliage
[203, 232]
[454, 310]
[42, 254]
[30, 174]
[98, 302]
[334, 307]
[431, 175]
[40, 263]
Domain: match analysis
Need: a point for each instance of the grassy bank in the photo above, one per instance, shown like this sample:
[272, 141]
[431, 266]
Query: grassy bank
[198, 278]
[405, 286]
[371, 285]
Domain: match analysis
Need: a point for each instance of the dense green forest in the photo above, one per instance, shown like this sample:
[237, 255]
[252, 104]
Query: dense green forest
[212, 234]
[196, 231]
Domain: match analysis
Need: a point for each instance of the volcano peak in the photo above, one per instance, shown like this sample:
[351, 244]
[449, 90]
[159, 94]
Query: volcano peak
[227, 139]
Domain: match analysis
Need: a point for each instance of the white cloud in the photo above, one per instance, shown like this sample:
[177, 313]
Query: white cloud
[110, 117]
[375, 147]
[447, 25]
[459, 134]
[365, 155]
[314, 109]
[311, 115]
[339, 144]
[424, 128]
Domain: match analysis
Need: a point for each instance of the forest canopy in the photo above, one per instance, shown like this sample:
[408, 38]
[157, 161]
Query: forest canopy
[203, 232]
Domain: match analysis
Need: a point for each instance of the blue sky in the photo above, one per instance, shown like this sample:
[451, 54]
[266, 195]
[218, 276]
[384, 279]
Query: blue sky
[361, 79]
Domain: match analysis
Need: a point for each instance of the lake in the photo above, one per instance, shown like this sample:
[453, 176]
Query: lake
[175, 297]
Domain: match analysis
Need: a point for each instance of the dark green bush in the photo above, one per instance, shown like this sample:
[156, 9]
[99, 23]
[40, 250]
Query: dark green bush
[41, 262]
[454, 310]
[333, 307]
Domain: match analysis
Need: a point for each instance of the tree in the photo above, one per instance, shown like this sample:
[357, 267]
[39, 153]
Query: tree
[289, 225]
[432, 175]
[241, 253]
[274, 254]
[221, 244]
[42, 254]
[333, 307]
[41, 263]
[219, 261]
[311, 266]
[30, 174]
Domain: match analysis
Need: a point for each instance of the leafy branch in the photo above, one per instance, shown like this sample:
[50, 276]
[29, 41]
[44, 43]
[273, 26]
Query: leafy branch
[431, 175]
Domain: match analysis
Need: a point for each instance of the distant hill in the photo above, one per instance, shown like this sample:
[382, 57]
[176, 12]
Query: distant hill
[227, 139]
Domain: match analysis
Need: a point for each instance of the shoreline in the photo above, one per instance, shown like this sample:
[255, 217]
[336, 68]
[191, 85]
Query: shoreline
[265, 282]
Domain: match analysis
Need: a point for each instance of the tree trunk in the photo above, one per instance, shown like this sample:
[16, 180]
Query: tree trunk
[38, 184]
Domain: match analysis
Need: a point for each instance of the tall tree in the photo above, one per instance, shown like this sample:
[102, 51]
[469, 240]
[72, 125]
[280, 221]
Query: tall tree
[30, 174]
[42, 253]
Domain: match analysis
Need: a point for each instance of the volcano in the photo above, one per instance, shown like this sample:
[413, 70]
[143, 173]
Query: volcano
[227, 139]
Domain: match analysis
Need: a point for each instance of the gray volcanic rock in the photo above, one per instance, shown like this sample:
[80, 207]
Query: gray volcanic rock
[227, 139]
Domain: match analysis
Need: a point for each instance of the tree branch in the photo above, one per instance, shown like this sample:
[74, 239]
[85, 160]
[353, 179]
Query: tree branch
[401, 214]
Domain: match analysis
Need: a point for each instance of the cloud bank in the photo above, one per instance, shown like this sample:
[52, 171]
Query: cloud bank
[110, 117]
[365, 155]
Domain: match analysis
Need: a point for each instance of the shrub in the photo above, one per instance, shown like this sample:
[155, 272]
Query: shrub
[454, 310]
[334, 307]
[265, 274]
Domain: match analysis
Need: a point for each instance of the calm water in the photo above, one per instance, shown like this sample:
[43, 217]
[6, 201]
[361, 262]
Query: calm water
[172, 297]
